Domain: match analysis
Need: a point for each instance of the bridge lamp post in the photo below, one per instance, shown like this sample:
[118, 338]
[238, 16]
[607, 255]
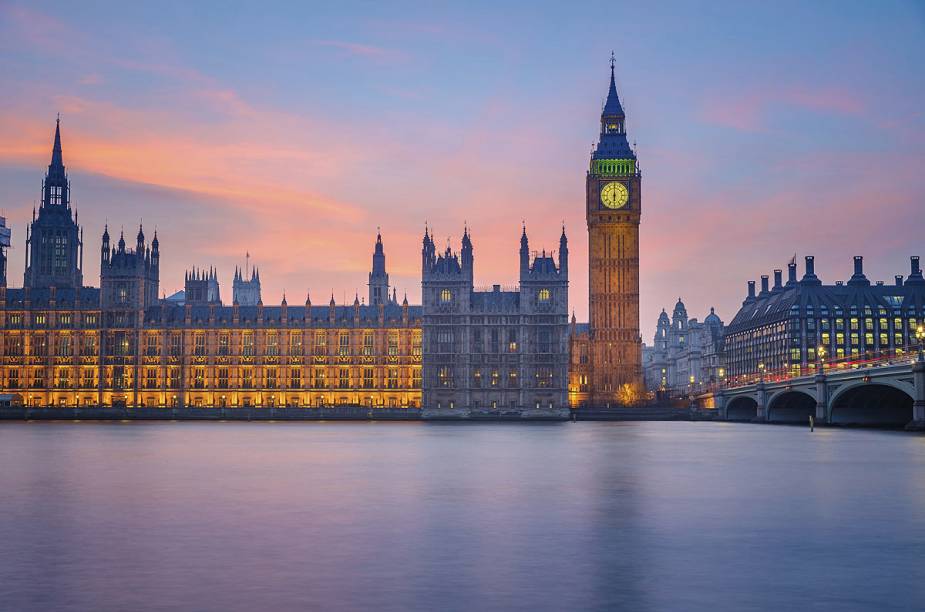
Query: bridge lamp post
[920, 337]
[820, 354]
[761, 371]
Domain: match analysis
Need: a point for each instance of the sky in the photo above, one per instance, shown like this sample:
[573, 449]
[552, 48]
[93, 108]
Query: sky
[292, 131]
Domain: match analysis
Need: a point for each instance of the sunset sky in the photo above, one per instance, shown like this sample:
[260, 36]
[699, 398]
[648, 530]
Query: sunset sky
[293, 130]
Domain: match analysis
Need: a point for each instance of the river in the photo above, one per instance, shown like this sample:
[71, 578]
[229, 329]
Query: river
[402, 516]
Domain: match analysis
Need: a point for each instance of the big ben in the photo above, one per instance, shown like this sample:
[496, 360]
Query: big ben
[614, 206]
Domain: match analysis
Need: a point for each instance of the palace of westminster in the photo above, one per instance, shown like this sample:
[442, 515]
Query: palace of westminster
[486, 351]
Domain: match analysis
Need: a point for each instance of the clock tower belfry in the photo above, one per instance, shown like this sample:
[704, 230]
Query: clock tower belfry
[613, 208]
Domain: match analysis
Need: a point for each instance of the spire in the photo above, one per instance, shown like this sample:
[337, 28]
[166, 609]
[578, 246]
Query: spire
[612, 107]
[57, 157]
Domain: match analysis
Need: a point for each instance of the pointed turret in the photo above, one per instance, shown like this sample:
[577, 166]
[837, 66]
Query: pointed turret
[466, 252]
[612, 107]
[524, 253]
[57, 156]
[613, 146]
[378, 277]
[563, 252]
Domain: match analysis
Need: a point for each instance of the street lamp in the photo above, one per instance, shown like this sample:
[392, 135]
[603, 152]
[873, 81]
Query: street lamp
[820, 354]
[920, 336]
[761, 371]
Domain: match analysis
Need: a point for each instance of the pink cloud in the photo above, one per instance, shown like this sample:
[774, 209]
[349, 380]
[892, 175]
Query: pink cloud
[749, 110]
[362, 50]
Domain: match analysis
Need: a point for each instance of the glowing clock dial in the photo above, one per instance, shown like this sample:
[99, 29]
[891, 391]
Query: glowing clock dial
[614, 195]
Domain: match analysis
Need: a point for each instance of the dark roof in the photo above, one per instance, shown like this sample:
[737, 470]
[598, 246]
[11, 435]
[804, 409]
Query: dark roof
[612, 107]
[778, 304]
[497, 301]
[64, 297]
[174, 315]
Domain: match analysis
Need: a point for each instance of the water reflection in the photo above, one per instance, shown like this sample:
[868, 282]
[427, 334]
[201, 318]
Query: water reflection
[398, 516]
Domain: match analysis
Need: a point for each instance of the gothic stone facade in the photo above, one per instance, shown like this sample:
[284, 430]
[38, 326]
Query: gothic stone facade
[686, 355]
[495, 351]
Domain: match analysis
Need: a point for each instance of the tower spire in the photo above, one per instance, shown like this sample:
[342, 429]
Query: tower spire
[612, 106]
[57, 157]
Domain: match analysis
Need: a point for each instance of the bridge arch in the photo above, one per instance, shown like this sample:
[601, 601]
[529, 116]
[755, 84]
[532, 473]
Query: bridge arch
[741, 408]
[883, 403]
[791, 406]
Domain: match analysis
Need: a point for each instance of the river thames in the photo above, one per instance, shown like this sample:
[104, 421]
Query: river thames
[399, 516]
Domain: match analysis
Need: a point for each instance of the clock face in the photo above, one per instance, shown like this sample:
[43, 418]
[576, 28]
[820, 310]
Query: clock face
[614, 195]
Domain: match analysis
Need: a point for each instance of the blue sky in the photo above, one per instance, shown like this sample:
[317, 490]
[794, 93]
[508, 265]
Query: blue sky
[293, 130]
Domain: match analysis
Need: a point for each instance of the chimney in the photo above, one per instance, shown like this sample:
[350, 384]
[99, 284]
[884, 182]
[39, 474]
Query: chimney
[915, 273]
[764, 284]
[751, 292]
[899, 280]
[810, 277]
[858, 277]
[778, 276]
[791, 273]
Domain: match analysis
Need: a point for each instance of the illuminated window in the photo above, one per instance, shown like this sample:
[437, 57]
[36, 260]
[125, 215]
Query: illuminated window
[544, 295]
[367, 378]
[151, 345]
[272, 344]
[224, 343]
[248, 344]
[200, 343]
[295, 378]
[367, 343]
[295, 344]
[393, 344]
[344, 378]
[151, 378]
[392, 380]
[446, 296]
[343, 344]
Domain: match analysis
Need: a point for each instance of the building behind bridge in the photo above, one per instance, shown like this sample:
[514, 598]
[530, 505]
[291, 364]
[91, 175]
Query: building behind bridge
[686, 355]
[794, 326]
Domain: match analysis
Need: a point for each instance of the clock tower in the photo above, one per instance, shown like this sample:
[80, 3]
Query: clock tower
[613, 208]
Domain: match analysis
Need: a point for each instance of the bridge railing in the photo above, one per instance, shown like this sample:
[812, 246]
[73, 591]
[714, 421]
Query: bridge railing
[854, 362]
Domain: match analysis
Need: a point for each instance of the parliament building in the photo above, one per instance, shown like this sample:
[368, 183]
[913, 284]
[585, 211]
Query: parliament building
[464, 349]
[65, 344]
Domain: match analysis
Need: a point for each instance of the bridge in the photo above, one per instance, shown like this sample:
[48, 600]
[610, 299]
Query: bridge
[886, 394]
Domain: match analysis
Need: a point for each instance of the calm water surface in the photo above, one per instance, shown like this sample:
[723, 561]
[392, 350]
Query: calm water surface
[396, 516]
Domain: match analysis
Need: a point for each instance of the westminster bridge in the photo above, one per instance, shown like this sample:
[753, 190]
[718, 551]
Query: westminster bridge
[889, 394]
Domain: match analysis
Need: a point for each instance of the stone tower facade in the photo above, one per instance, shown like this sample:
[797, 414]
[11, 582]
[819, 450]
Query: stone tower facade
[495, 351]
[378, 277]
[613, 209]
[201, 287]
[246, 292]
[54, 241]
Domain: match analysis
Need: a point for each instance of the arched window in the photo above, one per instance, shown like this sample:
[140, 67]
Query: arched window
[544, 295]
[446, 296]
